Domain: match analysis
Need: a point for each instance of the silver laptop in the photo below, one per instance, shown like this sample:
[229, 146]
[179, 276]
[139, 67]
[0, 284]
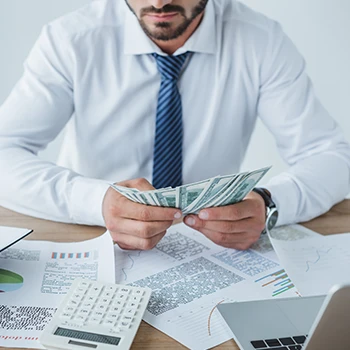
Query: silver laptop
[308, 323]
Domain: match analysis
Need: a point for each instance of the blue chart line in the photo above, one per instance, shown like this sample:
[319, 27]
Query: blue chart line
[131, 257]
[318, 252]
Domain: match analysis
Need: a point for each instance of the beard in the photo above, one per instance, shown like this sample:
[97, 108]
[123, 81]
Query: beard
[165, 31]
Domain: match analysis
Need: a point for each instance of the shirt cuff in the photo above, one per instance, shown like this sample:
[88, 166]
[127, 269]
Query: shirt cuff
[286, 195]
[86, 201]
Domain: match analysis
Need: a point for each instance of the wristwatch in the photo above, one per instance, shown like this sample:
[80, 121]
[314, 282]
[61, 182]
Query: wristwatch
[271, 210]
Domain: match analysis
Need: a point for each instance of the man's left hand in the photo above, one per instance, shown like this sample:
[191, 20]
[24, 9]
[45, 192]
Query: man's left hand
[234, 226]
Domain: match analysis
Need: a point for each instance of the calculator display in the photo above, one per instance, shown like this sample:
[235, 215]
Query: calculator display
[98, 338]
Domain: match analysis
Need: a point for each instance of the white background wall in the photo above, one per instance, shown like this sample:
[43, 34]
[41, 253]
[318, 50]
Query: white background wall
[319, 28]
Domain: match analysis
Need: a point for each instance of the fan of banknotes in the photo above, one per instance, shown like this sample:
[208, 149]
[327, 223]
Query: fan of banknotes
[191, 198]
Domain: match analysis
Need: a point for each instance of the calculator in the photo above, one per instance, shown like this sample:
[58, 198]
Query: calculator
[96, 315]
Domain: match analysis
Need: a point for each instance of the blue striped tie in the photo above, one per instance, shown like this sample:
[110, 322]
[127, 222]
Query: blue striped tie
[167, 157]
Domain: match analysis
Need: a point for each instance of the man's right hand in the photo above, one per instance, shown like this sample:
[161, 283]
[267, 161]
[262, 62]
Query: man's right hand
[133, 225]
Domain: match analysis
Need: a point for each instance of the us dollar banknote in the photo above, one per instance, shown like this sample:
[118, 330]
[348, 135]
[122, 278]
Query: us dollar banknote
[191, 198]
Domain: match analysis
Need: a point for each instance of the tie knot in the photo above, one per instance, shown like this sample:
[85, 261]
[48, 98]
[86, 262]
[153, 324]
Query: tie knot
[170, 66]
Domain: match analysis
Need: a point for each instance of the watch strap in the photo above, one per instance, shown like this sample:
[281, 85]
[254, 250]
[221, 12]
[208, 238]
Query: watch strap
[266, 197]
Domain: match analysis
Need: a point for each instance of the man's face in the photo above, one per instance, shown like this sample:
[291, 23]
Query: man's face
[166, 19]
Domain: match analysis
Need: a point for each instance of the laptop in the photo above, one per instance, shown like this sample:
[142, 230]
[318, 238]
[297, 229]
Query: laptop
[307, 323]
[11, 235]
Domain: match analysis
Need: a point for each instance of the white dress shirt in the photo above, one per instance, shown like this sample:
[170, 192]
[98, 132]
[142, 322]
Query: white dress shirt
[92, 71]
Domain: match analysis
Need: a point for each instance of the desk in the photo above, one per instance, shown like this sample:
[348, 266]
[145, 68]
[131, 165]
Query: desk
[337, 220]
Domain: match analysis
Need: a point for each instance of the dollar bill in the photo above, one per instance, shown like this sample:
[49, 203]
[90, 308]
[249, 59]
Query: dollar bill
[213, 188]
[240, 190]
[127, 192]
[211, 202]
[187, 194]
[191, 198]
[166, 197]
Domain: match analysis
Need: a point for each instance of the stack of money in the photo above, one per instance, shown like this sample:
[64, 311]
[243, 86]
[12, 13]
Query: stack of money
[191, 198]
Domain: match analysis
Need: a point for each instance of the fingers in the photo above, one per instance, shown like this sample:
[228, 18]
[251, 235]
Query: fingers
[126, 241]
[133, 225]
[131, 210]
[144, 230]
[244, 225]
[242, 210]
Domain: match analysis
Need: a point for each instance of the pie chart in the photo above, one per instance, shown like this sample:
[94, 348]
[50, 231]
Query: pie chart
[10, 281]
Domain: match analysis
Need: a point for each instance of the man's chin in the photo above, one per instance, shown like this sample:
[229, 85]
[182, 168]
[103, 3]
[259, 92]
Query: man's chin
[161, 32]
[163, 35]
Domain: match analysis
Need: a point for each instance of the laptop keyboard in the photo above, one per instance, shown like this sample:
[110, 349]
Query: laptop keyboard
[290, 343]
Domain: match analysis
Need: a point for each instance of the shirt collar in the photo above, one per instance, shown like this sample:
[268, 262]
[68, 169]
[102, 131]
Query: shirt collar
[136, 42]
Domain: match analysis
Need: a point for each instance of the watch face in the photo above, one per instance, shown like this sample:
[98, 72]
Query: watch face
[272, 218]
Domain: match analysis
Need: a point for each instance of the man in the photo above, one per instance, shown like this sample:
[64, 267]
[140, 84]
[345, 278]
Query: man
[165, 91]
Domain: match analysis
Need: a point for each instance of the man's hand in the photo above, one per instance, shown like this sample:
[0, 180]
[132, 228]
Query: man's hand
[133, 225]
[234, 226]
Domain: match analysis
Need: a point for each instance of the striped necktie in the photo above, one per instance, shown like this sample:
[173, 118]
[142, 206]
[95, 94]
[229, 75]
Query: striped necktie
[167, 157]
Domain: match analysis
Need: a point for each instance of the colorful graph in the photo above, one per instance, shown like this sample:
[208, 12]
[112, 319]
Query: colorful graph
[278, 281]
[56, 255]
[10, 281]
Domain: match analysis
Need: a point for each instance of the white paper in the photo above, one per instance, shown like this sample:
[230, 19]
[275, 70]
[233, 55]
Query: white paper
[10, 235]
[190, 276]
[42, 273]
[314, 262]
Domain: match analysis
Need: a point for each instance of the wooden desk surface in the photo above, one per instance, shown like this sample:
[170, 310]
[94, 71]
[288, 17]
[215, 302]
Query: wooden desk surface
[337, 220]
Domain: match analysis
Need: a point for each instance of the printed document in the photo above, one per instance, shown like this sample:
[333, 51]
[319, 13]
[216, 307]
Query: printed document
[35, 276]
[190, 276]
[314, 262]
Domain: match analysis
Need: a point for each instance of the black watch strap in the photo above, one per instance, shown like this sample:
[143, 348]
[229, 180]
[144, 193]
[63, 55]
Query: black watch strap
[266, 197]
[271, 210]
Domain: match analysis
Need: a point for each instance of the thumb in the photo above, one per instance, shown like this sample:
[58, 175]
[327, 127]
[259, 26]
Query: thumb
[141, 184]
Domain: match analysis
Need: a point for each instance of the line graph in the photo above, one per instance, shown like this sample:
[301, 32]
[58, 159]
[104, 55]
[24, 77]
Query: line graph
[131, 257]
[318, 258]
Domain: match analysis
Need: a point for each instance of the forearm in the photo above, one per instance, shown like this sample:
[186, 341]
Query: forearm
[312, 186]
[38, 188]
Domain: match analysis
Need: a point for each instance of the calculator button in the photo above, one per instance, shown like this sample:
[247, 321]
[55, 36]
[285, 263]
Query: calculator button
[112, 316]
[84, 284]
[87, 305]
[83, 312]
[98, 313]
[73, 303]
[138, 292]
[135, 299]
[130, 312]
[95, 290]
[70, 309]
[132, 305]
[107, 294]
[124, 325]
[101, 307]
[121, 296]
[79, 319]
[111, 289]
[76, 297]
[66, 315]
[116, 309]
[125, 290]
[127, 318]
[91, 299]
[94, 320]
[108, 323]
[81, 290]
[119, 303]
[104, 301]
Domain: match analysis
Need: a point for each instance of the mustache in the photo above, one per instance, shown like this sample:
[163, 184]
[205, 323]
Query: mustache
[166, 9]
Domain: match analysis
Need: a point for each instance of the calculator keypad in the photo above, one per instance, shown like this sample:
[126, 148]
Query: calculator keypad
[108, 306]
